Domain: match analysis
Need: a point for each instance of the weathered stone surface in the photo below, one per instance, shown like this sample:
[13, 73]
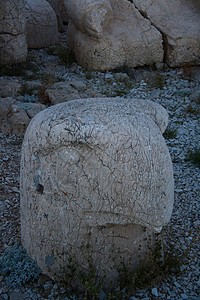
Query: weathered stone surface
[62, 92]
[9, 87]
[60, 9]
[15, 116]
[108, 34]
[97, 180]
[179, 21]
[41, 25]
[13, 46]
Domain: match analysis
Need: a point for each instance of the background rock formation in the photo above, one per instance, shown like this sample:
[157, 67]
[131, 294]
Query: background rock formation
[61, 12]
[41, 24]
[108, 34]
[119, 36]
[179, 22]
[13, 47]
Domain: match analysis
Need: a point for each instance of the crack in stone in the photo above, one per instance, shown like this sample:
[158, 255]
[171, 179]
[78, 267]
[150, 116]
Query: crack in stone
[164, 36]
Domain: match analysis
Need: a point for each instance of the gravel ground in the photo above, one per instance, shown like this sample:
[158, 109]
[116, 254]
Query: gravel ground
[170, 88]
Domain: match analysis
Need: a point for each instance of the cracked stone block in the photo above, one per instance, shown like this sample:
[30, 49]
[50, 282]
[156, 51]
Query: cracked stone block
[41, 24]
[179, 22]
[13, 46]
[109, 34]
[96, 184]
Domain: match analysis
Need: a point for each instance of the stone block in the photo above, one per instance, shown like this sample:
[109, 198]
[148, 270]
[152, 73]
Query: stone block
[41, 24]
[13, 46]
[179, 22]
[96, 184]
[110, 34]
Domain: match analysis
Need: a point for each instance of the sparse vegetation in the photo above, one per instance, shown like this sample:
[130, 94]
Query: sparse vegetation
[157, 81]
[170, 133]
[162, 261]
[193, 110]
[51, 50]
[26, 90]
[18, 267]
[194, 156]
[66, 56]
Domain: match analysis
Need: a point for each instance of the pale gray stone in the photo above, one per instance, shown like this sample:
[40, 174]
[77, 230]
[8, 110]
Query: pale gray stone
[173, 19]
[154, 292]
[13, 46]
[41, 24]
[97, 180]
[62, 92]
[15, 116]
[78, 85]
[111, 33]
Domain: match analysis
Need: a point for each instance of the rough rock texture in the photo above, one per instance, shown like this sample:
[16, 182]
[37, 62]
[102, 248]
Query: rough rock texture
[96, 180]
[61, 92]
[9, 87]
[60, 9]
[15, 116]
[195, 96]
[108, 34]
[13, 46]
[41, 25]
[179, 21]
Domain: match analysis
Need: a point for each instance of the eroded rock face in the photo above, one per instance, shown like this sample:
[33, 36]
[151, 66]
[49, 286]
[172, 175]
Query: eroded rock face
[15, 116]
[111, 33]
[179, 21]
[13, 46]
[41, 24]
[97, 180]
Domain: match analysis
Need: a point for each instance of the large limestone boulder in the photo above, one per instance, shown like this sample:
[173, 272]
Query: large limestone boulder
[41, 24]
[179, 22]
[13, 46]
[96, 184]
[111, 33]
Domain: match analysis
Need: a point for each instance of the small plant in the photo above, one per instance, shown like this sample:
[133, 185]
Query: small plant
[192, 110]
[170, 133]
[158, 81]
[89, 75]
[42, 95]
[82, 281]
[188, 70]
[88, 279]
[26, 90]
[194, 156]
[48, 80]
[51, 50]
[85, 282]
[17, 267]
[66, 56]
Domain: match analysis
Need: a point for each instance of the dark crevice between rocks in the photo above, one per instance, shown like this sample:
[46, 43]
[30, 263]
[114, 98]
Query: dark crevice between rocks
[164, 37]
